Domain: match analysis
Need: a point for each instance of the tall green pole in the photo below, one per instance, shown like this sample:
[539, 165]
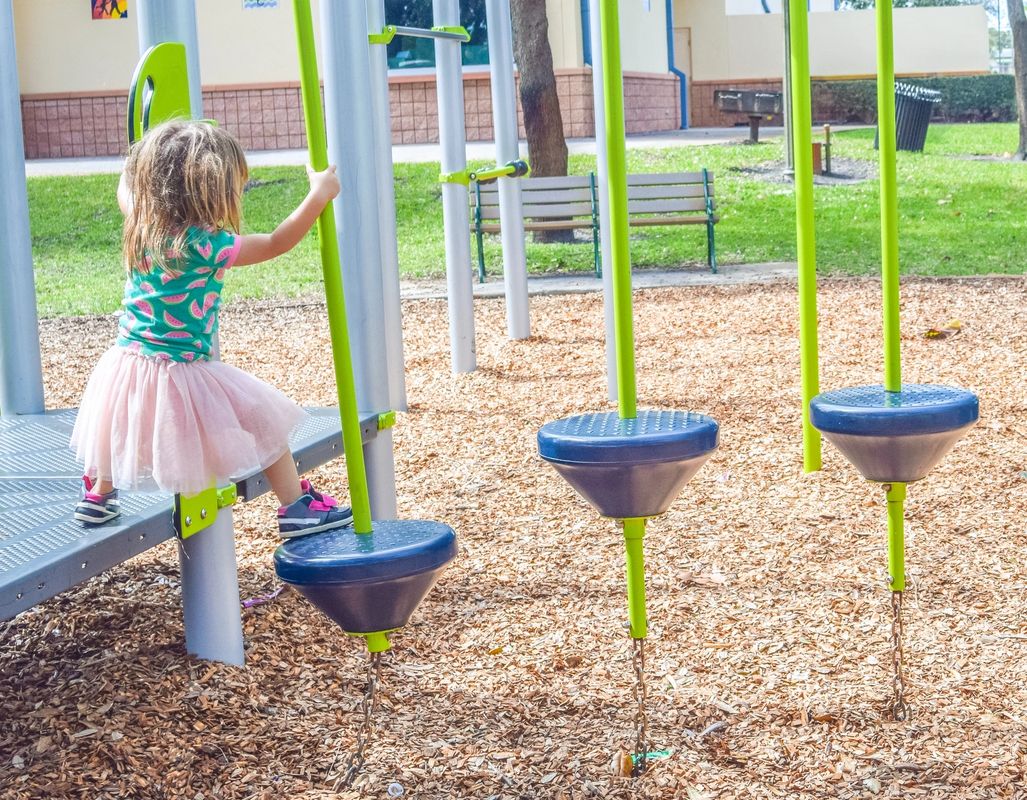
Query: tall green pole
[617, 188]
[802, 158]
[889, 196]
[617, 193]
[331, 266]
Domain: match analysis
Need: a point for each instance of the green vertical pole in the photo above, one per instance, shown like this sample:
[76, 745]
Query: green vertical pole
[617, 193]
[889, 196]
[634, 530]
[330, 265]
[802, 158]
[896, 538]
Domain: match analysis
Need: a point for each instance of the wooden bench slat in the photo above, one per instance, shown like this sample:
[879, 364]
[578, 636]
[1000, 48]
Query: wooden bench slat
[549, 182]
[667, 206]
[665, 191]
[665, 220]
[542, 196]
[656, 178]
[544, 211]
[550, 225]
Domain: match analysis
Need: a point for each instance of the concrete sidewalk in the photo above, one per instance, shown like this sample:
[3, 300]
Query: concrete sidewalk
[731, 274]
[418, 153]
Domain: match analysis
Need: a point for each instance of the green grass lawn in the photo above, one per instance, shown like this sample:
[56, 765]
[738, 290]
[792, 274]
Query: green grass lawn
[960, 214]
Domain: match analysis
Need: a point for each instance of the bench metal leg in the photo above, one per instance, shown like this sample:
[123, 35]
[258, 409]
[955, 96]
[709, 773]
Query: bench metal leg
[711, 248]
[210, 593]
[481, 255]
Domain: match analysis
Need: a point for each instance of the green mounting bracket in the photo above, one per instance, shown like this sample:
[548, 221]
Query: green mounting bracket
[377, 642]
[457, 29]
[385, 37]
[195, 512]
[386, 420]
[456, 177]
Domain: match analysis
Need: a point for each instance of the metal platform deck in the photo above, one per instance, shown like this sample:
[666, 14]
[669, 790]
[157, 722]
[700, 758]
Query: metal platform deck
[43, 551]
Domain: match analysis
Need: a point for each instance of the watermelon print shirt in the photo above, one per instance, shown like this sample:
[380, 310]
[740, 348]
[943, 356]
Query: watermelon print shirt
[174, 316]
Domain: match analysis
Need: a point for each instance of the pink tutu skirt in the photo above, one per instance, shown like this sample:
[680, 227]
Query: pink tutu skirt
[182, 427]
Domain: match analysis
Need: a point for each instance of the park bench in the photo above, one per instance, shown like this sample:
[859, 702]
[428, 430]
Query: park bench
[572, 202]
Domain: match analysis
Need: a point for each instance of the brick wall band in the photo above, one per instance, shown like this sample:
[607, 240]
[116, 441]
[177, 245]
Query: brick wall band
[270, 118]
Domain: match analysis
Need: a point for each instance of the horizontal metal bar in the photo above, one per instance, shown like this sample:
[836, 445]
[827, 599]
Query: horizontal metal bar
[459, 35]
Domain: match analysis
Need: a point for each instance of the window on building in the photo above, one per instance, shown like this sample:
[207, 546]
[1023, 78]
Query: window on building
[407, 52]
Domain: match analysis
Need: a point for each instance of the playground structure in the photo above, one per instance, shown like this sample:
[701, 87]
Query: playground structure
[633, 449]
[893, 433]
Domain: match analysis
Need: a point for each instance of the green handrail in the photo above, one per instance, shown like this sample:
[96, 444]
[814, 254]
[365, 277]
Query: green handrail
[889, 197]
[802, 143]
[330, 265]
[617, 186]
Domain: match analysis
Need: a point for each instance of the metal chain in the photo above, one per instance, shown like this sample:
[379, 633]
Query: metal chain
[639, 693]
[367, 708]
[900, 709]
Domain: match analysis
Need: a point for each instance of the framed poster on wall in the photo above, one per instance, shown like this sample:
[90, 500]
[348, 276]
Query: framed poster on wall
[109, 9]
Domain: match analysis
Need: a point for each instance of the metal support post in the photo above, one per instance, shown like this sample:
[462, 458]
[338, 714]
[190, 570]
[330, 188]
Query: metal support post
[387, 209]
[504, 117]
[349, 124]
[210, 593]
[449, 77]
[602, 176]
[173, 21]
[21, 369]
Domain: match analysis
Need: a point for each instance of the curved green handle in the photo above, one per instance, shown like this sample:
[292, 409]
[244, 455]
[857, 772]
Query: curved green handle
[164, 71]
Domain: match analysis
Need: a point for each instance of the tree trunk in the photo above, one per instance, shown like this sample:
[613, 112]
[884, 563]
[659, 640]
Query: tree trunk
[543, 123]
[1018, 26]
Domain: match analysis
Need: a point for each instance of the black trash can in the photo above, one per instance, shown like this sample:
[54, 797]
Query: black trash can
[914, 106]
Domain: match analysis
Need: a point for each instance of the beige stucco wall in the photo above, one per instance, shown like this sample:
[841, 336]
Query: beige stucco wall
[842, 44]
[61, 50]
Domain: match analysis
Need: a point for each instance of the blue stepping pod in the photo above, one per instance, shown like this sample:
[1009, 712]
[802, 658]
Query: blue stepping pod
[368, 582]
[629, 468]
[894, 437]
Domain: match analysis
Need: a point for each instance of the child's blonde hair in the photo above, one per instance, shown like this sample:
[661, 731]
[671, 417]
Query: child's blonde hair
[180, 175]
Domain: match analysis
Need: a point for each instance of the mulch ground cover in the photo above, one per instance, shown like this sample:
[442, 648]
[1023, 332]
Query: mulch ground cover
[768, 660]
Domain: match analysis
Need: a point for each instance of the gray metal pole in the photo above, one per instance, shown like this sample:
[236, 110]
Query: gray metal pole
[599, 105]
[210, 593]
[449, 77]
[210, 582]
[173, 21]
[21, 369]
[504, 120]
[387, 209]
[349, 123]
[786, 89]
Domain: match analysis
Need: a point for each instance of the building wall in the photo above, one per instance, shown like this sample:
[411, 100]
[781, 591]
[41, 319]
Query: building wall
[73, 102]
[939, 40]
[269, 117]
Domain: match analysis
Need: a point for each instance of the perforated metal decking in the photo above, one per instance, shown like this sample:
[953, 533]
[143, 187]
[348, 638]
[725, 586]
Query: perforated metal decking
[43, 551]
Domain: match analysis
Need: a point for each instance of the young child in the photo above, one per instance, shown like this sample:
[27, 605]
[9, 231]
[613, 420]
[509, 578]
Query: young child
[157, 409]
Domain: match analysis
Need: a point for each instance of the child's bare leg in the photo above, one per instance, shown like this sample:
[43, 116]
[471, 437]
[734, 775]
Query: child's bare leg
[285, 480]
[103, 487]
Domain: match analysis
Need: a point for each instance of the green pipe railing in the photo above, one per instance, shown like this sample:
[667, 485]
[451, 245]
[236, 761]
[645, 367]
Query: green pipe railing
[889, 196]
[331, 266]
[802, 142]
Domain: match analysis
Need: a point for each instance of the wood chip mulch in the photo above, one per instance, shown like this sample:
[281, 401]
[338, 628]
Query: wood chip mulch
[768, 658]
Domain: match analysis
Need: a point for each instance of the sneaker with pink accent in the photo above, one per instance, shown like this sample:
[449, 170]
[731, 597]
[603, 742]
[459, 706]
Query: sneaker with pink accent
[95, 508]
[312, 512]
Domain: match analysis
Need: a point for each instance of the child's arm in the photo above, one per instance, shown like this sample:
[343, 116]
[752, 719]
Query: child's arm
[258, 247]
[124, 195]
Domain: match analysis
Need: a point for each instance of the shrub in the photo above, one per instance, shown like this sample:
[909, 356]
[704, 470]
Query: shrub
[969, 98]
